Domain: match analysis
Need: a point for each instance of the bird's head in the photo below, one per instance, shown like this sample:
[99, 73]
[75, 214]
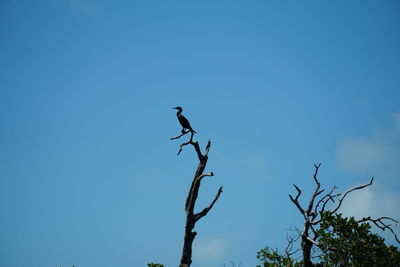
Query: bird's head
[178, 108]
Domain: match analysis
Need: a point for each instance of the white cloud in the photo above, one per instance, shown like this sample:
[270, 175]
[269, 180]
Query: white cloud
[374, 203]
[371, 202]
[209, 250]
[377, 155]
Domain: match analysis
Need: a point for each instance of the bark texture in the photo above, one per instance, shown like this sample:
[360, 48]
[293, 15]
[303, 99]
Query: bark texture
[191, 216]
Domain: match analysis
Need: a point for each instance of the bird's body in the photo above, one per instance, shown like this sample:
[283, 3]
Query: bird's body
[183, 121]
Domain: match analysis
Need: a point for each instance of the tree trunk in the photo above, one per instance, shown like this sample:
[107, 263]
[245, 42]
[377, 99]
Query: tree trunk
[191, 216]
[306, 246]
[186, 258]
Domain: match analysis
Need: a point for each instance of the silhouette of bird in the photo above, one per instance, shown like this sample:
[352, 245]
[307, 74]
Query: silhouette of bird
[183, 121]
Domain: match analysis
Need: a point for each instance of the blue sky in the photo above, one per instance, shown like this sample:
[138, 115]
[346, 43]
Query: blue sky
[88, 175]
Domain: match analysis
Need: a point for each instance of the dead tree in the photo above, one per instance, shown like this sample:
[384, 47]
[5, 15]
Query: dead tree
[316, 207]
[191, 216]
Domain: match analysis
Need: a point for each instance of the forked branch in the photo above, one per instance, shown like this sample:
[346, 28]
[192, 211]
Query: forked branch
[296, 199]
[191, 217]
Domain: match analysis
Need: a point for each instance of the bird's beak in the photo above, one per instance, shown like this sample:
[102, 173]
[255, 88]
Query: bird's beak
[174, 108]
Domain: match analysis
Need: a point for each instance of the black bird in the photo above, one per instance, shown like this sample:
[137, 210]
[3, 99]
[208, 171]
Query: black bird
[183, 121]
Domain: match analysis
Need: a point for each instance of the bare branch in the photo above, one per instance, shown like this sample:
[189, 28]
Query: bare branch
[204, 175]
[316, 191]
[182, 145]
[317, 253]
[298, 192]
[332, 198]
[193, 191]
[349, 191]
[204, 212]
[295, 200]
[380, 223]
[312, 241]
[179, 136]
[324, 200]
[316, 173]
[289, 248]
[188, 142]
[207, 147]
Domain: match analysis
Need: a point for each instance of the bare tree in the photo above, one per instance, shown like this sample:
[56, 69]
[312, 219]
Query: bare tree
[317, 205]
[191, 216]
[291, 239]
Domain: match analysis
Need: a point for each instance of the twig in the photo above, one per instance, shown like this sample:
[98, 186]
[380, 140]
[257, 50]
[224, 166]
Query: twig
[188, 142]
[179, 136]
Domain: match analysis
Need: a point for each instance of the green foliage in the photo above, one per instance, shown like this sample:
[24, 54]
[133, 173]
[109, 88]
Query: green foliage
[343, 242]
[151, 264]
[271, 258]
[348, 243]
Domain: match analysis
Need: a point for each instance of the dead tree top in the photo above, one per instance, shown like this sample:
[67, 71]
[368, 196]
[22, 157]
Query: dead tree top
[191, 216]
[312, 214]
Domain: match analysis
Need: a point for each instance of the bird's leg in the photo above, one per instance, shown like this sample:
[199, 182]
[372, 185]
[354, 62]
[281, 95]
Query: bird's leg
[183, 130]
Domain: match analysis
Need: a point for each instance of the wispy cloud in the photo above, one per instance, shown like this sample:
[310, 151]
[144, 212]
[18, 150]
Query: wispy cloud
[209, 250]
[375, 203]
[360, 155]
[372, 202]
[377, 155]
[88, 7]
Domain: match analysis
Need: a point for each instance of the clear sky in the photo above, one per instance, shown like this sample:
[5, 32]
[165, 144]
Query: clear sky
[88, 175]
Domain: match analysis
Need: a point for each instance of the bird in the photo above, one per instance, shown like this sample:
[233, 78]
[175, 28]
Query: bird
[183, 121]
